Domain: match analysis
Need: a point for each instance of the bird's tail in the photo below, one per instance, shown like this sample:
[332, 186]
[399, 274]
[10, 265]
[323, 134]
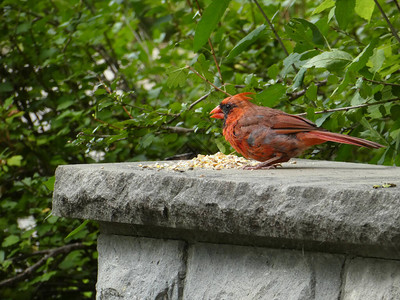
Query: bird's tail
[345, 139]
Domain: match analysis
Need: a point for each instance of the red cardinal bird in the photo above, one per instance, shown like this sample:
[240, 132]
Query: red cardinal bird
[270, 135]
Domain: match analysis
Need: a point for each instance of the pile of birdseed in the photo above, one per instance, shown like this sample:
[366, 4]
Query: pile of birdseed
[216, 161]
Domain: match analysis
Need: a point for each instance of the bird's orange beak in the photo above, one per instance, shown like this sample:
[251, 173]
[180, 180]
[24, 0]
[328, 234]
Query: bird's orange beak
[217, 113]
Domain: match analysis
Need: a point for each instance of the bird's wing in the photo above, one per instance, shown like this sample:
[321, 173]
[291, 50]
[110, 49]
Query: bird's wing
[277, 120]
[286, 124]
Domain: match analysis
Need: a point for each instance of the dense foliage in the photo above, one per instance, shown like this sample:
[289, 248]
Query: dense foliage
[85, 81]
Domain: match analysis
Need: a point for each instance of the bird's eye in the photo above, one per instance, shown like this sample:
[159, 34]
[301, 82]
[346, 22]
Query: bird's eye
[228, 106]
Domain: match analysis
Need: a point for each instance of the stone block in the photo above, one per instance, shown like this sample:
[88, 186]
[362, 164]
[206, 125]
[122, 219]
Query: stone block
[237, 272]
[133, 268]
[372, 279]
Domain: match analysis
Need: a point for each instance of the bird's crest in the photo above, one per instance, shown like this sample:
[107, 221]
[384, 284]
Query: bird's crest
[238, 97]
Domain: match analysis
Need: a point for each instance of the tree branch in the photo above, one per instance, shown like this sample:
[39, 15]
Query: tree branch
[381, 82]
[198, 101]
[110, 92]
[48, 254]
[392, 29]
[189, 108]
[294, 95]
[272, 27]
[300, 93]
[206, 80]
[211, 46]
[351, 107]
[178, 129]
[215, 60]
[353, 37]
[108, 124]
[397, 4]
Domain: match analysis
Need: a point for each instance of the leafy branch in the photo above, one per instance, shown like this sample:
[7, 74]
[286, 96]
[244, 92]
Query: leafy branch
[347, 108]
[47, 254]
[110, 93]
[272, 27]
[397, 5]
[298, 94]
[392, 29]
[209, 82]
[211, 47]
[381, 82]
[190, 107]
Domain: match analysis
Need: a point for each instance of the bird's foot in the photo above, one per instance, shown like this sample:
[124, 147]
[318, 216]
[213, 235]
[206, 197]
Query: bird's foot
[262, 166]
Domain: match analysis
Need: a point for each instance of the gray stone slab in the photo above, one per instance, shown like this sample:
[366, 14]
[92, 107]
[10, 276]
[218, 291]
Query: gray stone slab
[311, 205]
[371, 279]
[237, 272]
[133, 268]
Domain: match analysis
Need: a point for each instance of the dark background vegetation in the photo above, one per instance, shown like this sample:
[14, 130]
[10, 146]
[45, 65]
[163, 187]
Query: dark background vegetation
[83, 81]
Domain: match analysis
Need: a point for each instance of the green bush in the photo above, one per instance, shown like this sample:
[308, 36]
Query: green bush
[87, 81]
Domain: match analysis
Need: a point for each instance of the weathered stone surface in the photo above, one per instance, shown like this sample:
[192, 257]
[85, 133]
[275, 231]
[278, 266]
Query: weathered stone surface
[371, 279]
[237, 272]
[312, 205]
[139, 268]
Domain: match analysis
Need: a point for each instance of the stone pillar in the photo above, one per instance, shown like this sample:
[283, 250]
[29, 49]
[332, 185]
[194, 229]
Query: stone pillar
[311, 230]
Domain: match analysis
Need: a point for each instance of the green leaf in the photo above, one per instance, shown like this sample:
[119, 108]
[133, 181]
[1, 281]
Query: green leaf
[77, 229]
[10, 240]
[176, 77]
[211, 16]
[323, 6]
[15, 161]
[299, 34]
[272, 95]
[345, 82]
[318, 38]
[104, 104]
[65, 104]
[310, 113]
[377, 136]
[50, 183]
[117, 137]
[202, 66]
[299, 78]
[273, 71]
[366, 90]
[361, 60]
[52, 219]
[73, 258]
[322, 119]
[357, 99]
[329, 59]
[46, 276]
[344, 12]
[220, 145]
[288, 62]
[6, 263]
[8, 102]
[146, 140]
[100, 91]
[395, 111]
[172, 137]
[331, 14]
[24, 27]
[311, 92]
[365, 8]
[245, 42]
[376, 60]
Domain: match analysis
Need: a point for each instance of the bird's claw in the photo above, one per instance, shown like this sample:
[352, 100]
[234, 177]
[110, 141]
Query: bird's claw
[262, 167]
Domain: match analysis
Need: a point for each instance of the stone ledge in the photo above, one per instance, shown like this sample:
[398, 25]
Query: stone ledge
[311, 205]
